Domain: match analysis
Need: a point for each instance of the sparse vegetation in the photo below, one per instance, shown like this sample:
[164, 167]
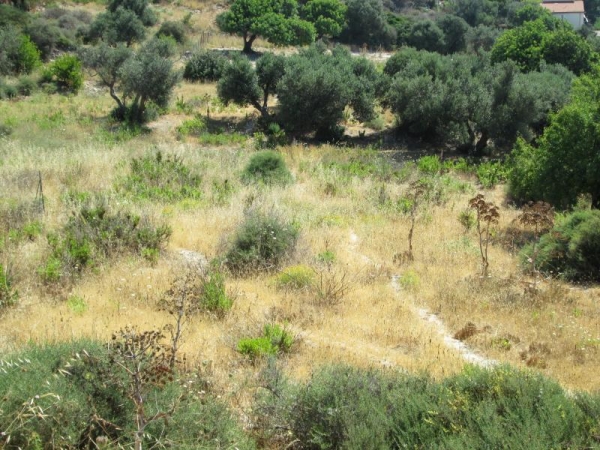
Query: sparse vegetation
[274, 340]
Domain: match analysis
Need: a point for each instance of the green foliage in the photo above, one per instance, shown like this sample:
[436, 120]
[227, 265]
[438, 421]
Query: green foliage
[119, 26]
[193, 127]
[455, 32]
[571, 249]
[174, 30]
[160, 177]
[317, 87]
[491, 173]
[328, 16]
[8, 295]
[77, 304]
[67, 73]
[92, 235]
[477, 12]
[345, 407]
[26, 86]
[425, 34]
[261, 243]
[214, 297]
[533, 42]
[267, 167]
[276, 21]
[274, 340]
[367, 24]
[295, 278]
[429, 164]
[565, 163]
[72, 393]
[467, 219]
[18, 54]
[205, 65]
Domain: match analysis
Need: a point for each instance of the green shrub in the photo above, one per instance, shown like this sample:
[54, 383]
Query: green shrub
[273, 341]
[214, 297]
[205, 66]
[26, 86]
[67, 395]
[261, 243]
[491, 173]
[67, 73]
[93, 235]
[467, 219]
[295, 278]
[159, 177]
[194, 126]
[267, 167]
[8, 296]
[174, 30]
[430, 165]
[10, 91]
[571, 249]
[345, 407]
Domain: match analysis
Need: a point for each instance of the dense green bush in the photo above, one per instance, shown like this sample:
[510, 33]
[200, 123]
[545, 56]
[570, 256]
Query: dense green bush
[344, 407]
[93, 234]
[67, 395]
[26, 86]
[267, 167]
[274, 340]
[67, 73]
[214, 297]
[18, 54]
[160, 177]
[261, 243]
[205, 65]
[174, 30]
[571, 249]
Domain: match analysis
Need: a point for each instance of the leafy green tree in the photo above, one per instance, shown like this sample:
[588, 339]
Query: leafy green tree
[317, 87]
[481, 38]
[139, 7]
[554, 42]
[401, 26]
[67, 73]
[566, 161]
[114, 27]
[367, 24]
[328, 16]
[134, 79]
[528, 12]
[454, 29]
[426, 35]
[17, 53]
[476, 12]
[244, 85]
[275, 20]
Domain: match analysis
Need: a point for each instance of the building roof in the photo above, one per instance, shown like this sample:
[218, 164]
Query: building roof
[558, 7]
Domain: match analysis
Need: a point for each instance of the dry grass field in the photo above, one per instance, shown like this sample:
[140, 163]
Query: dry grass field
[396, 316]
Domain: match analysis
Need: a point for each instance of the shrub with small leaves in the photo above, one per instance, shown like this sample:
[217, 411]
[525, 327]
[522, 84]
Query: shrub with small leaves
[261, 243]
[205, 66]
[295, 278]
[491, 173]
[67, 73]
[174, 30]
[430, 164]
[26, 86]
[267, 167]
[160, 177]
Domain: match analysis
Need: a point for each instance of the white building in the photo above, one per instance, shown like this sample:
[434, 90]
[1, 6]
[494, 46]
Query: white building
[570, 10]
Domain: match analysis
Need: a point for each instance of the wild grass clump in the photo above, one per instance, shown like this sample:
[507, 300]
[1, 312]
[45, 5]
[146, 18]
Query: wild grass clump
[205, 66]
[491, 173]
[344, 407]
[267, 167]
[273, 341]
[261, 243]
[295, 278]
[571, 249]
[163, 178]
[76, 395]
[94, 234]
[363, 164]
[8, 295]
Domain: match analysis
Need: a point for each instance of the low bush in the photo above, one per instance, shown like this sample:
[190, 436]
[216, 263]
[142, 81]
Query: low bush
[66, 73]
[70, 395]
[174, 30]
[430, 165]
[571, 249]
[26, 86]
[194, 127]
[160, 177]
[295, 278]
[93, 234]
[491, 173]
[274, 340]
[213, 295]
[267, 167]
[262, 243]
[205, 66]
[344, 407]
[8, 295]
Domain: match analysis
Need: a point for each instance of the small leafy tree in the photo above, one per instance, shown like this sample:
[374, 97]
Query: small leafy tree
[275, 20]
[487, 215]
[328, 16]
[67, 73]
[367, 24]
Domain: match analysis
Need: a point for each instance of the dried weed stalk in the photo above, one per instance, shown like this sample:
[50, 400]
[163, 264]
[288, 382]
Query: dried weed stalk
[487, 214]
[540, 217]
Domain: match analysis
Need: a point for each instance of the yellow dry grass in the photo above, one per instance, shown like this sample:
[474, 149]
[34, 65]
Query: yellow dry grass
[375, 324]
